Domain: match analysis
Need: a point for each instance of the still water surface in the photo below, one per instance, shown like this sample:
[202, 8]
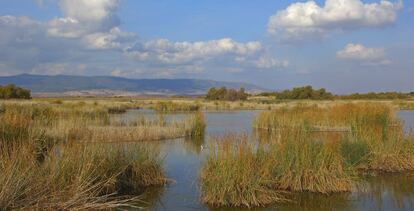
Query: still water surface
[183, 160]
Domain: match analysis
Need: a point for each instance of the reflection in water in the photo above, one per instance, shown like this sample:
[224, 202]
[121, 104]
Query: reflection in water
[195, 144]
[151, 197]
[183, 159]
[312, 201]
[390, 190]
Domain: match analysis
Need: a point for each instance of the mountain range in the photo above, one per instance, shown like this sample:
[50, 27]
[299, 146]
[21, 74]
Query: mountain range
[71, 85]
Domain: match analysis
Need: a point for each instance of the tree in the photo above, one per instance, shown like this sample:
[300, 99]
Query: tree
[226, 94]
[11, 91]
[306, 92]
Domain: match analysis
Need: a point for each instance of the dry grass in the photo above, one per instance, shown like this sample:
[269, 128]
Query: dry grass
[43, 166]
[77, 177]
[238, 173]
[374, 140]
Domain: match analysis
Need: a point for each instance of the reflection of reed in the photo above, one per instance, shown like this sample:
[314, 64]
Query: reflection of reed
[397, 189]
[195, 144]
[152, 198]
[312, 201]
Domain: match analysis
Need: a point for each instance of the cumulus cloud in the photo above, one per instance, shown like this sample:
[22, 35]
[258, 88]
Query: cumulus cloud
[368, 56]
[189, 57]
[270, 62]
[63, 45]
[93, 21]
[167, 52]
[84, 17]
[304, 19]
[24, 44]
[114, 39]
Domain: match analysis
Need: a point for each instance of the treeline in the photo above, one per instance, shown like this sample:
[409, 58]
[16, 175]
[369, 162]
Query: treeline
[378, 95]
[300, 93]
[307, 92]
[12, 91]
[226, 94]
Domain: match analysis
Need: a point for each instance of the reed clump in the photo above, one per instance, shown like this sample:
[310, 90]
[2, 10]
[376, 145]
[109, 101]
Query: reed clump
[77, 177]
[373, 138]
[196, 125]
[306, 164]
[168, 106]
[349, 115]
[235, 174]
[239, 173]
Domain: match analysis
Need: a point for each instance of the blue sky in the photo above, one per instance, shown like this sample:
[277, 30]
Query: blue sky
[343, 45]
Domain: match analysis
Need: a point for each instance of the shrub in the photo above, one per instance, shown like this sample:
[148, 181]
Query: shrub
[226, 94]
[11, 91]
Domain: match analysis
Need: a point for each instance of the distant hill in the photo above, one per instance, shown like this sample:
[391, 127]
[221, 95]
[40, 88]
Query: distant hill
[108, 85]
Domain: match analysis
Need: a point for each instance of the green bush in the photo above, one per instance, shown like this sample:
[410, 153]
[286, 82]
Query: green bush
[226, 94]
[11, 91]
[306, 92]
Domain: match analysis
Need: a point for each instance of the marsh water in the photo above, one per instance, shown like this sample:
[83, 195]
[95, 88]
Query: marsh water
[183, 160]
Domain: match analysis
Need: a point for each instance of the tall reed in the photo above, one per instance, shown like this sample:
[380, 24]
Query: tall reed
[373, 138]
[196, 125]
[77, 177]
[303, 163]
[42, 170]
[235, 174]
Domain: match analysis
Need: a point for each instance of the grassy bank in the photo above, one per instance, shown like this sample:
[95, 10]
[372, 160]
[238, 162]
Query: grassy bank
[47, 160]
[76, 176]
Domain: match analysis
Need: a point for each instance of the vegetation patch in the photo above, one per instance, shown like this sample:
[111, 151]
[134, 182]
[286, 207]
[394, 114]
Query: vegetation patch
[167, 106]
[226, 94]
[11, 91]
[44, 164]
[236, 175]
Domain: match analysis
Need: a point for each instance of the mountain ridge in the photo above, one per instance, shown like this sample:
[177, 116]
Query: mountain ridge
[112, 85]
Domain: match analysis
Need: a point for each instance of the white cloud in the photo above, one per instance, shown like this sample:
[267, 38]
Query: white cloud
[114, 39]
[368, 56]
[63, 44]
[304, 19]
[168, 52]
[89, 10]
[86, 18]
[270, 62]
[189, 57]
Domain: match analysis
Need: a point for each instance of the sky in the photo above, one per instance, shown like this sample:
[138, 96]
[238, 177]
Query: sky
[342, 45]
